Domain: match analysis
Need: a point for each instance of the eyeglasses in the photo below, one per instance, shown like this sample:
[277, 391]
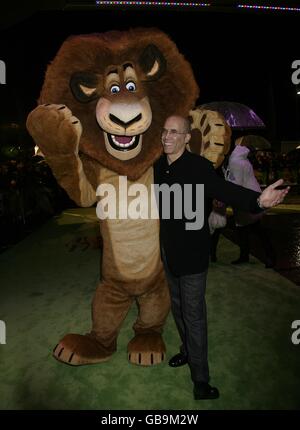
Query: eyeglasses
[173, 132]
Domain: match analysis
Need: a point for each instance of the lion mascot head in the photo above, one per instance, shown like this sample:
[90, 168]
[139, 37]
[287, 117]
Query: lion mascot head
[121, 86]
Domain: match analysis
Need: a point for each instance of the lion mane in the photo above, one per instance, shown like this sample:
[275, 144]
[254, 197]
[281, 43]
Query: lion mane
[172, 91]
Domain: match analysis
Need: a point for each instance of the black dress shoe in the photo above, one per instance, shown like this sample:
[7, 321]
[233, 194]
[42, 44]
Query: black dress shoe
[203, 391]
[178, 360]
[240, 261]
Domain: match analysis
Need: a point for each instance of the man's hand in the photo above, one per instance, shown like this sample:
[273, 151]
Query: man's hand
[271, 197]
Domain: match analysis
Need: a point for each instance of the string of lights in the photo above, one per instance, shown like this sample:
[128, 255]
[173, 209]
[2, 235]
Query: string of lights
[195, 5]
[276, 8]
[151, 3]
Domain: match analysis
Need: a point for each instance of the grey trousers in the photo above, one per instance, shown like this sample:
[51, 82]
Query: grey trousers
[189, 311]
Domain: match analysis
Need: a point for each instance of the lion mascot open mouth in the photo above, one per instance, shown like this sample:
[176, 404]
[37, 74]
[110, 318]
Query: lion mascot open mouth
[103, 104]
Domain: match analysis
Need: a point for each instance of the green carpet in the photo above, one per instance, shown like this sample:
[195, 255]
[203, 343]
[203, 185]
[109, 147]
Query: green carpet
[46, 291]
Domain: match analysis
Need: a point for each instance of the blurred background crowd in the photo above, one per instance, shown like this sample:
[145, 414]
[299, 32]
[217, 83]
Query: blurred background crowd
[29, 193]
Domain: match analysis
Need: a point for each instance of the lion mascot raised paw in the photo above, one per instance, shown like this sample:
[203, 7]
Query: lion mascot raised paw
[101, 110]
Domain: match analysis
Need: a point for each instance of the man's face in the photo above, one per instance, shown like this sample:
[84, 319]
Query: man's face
[174, 137]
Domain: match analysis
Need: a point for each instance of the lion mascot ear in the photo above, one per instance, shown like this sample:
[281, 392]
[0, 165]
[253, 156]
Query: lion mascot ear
[152, 62]
[84, 86]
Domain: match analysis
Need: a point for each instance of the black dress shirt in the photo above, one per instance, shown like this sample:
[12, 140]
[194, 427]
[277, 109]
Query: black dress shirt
[187, 251]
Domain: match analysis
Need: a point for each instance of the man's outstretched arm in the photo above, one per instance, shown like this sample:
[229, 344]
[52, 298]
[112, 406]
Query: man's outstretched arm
[240, 197]
[271, 196]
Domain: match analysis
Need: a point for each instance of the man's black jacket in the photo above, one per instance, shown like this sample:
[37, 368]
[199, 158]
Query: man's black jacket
[187, 251]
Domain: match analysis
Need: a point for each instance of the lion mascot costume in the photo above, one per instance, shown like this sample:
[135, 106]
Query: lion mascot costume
[101, 110]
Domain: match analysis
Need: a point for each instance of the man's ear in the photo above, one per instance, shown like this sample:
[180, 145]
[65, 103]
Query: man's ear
[187, 138]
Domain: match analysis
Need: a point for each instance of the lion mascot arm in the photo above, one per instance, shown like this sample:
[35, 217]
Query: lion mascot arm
[211, 135]
[57, 133]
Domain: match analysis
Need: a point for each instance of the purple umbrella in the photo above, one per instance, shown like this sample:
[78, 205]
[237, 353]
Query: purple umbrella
[237, 115]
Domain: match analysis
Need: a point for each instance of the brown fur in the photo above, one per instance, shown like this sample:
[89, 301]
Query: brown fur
[173, 93]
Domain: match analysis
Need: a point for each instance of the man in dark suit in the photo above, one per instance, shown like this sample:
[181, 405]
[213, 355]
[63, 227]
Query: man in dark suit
[185, 245]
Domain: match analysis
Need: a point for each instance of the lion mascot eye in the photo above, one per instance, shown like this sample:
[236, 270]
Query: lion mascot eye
[130, 86]
[115, 89]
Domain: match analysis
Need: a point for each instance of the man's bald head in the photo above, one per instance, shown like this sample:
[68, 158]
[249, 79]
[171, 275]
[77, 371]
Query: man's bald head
[183, 121]
[175, 135]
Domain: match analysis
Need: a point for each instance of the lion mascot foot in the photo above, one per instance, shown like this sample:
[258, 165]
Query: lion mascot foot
[76, 350]
[146, 349]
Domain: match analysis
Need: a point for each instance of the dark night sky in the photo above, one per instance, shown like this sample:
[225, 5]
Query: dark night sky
[242, 57]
